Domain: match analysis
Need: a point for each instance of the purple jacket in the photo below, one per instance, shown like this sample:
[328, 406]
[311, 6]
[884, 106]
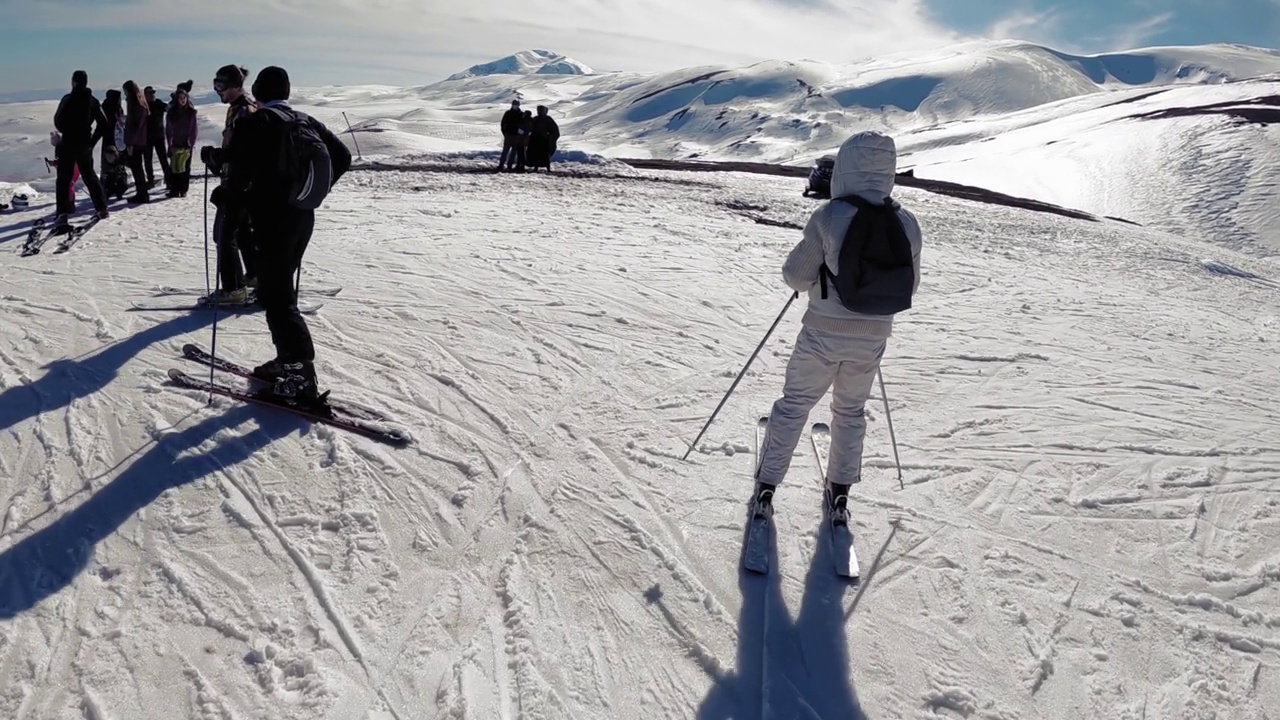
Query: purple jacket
[135, 126]
[182, 127]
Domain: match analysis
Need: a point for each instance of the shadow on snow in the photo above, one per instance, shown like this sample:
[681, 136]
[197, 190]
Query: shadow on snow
[787, 668]
[42, 564]
[69, 380]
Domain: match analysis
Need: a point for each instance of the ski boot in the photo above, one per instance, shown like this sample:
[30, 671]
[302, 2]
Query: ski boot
[762, 500]
[837, 503]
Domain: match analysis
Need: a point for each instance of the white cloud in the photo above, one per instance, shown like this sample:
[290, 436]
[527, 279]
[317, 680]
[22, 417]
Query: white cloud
[1137, 34]
[421, 35]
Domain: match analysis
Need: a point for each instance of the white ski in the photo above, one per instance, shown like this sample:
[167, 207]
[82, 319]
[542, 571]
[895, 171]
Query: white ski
[841, 535]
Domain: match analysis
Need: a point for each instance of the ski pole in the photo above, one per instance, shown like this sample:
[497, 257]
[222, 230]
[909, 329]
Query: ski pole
[738, 379]
[217, 285]
[353, 136]
[892, 440]
[206, 233]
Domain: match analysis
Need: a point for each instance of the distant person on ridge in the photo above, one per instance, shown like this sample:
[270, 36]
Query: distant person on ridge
[80, 122]
[155, 138]
[522, 140]
[181, 128]
[510, 134]
[136, 140]
[231, 229]
[542, 140]
[859, 261]
[280, 202]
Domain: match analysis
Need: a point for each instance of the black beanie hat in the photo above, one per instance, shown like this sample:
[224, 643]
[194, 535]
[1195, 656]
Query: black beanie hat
[271, 84]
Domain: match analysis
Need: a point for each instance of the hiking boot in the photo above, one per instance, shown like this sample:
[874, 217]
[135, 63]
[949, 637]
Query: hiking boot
[222, 296]
[837, 503]
[762, 499]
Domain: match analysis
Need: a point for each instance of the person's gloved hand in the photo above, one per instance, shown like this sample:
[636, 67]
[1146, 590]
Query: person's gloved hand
[212, 157]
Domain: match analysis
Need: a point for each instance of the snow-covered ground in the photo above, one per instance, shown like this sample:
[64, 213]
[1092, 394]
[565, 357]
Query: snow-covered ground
[1084, 413]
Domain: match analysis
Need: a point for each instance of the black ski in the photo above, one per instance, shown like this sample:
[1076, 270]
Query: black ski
[759, 531]
[36, 238]
[330, 415]
[74, 235]
[245, 307]
[841, 535]
[194, 352]
[164, 290]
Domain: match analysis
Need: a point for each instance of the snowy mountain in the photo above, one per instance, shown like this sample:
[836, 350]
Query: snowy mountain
[1082, 410]
[1114, 134]
[526, 62]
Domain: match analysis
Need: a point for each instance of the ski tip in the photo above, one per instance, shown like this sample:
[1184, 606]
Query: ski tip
[762, 421]
[190, 349]
[821, 427]
[176, 374]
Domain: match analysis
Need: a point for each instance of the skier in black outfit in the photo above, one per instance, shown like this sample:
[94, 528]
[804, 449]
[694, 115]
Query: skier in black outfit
[156, 138]
[75, 119]
[258, 181]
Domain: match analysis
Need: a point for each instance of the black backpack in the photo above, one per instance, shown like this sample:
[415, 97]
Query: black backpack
[305, 164]
[876, 275]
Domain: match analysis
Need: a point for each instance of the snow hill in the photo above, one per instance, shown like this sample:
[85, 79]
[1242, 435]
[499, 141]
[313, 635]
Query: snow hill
[1083, 411]
[526, 62]
[1183, 139]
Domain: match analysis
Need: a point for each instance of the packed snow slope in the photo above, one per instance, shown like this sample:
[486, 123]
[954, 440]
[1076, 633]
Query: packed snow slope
[1110, 134]
[1084, 413]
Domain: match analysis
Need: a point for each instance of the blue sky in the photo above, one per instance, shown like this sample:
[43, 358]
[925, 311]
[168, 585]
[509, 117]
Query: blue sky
[409, 42]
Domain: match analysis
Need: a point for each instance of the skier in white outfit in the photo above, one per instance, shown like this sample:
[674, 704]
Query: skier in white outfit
[838, 345]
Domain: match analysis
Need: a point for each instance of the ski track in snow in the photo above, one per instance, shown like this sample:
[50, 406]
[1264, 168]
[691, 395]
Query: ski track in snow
[1087, 437]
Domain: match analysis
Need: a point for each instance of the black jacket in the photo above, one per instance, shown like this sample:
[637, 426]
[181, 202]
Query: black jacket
[545, 128]
[75, 119]
[155, 121]
[511, 120]
[254, 176]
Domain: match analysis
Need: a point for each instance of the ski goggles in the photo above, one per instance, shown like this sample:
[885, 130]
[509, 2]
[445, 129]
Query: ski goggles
[219, 85]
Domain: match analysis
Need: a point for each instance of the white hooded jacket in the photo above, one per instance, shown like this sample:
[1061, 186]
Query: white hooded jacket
[865, 166]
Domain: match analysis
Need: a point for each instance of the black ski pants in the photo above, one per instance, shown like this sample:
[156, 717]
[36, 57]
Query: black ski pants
[141, 188]
[286, 232]
[156, 148]
[235, 240]
[68, 160]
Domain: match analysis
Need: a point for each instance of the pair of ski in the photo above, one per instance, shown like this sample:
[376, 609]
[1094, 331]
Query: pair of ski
[344, 416]
[760, 527]
[250, 305]
[37, 238]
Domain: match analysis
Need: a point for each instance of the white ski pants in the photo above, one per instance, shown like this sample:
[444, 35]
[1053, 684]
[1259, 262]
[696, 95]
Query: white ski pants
[821, 361]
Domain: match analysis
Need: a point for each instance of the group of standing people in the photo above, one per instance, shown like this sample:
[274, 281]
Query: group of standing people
[135, 128]
[265, 205]
[528, 141]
